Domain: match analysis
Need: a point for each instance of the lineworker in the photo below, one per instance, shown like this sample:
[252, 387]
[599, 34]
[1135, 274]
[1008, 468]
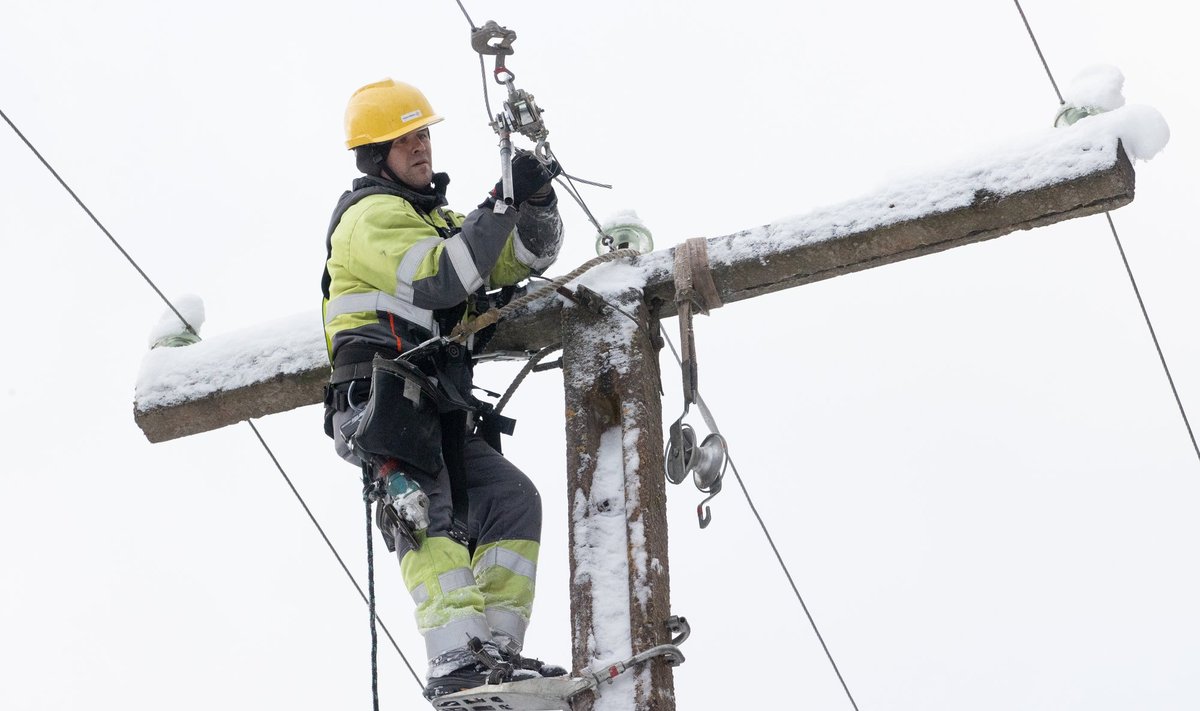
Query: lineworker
[402, 269]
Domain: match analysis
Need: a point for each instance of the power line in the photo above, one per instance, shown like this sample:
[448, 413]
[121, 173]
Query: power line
[332, 548]
[1124, 260]
[770, 540]
[1150, 326]
[1038, 47]
[99, 224]
[184, 321]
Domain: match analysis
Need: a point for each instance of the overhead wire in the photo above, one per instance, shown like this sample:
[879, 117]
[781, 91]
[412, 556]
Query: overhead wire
[99, 224]
[567, 182]
[708, 417]
[257, 434]
[1038, 47]
[1121, 249]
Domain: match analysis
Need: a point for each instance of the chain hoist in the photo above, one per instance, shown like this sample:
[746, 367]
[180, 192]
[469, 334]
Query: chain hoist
[520, 112]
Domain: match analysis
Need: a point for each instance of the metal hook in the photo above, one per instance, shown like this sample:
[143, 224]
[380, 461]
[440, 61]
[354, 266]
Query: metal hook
[702, 511]
[493, 39]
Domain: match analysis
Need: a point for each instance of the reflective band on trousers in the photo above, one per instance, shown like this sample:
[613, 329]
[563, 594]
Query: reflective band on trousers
[455, 579]
[449, 581]
[508, 623]
[379, 301]
[464, 264]
[505, 558]
[456, 634]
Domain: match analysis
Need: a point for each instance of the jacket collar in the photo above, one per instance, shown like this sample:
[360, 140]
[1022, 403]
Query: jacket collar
[426, 200]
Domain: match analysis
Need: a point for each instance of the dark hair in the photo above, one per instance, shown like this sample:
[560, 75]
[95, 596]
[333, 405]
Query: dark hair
[370, 158]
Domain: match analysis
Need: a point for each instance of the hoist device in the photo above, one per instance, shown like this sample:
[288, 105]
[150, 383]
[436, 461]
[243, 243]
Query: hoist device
[520, 112]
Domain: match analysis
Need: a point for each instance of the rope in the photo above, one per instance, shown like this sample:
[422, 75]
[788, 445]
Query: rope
[184, 321]
[492, 316]
[525, 370]
[371, 589]
[1128, 269]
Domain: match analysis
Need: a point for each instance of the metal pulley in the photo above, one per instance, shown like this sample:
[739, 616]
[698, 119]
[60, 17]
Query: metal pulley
[706, 461]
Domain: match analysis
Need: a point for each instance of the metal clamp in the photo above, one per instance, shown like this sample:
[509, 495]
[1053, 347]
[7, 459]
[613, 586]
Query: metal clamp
[676, 625]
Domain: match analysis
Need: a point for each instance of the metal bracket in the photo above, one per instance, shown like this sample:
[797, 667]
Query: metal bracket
[558, 692]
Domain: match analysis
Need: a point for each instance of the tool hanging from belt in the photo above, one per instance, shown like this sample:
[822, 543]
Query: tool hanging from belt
[706, 461]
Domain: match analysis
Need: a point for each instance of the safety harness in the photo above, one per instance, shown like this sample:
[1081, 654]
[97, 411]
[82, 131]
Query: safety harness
[446, 369]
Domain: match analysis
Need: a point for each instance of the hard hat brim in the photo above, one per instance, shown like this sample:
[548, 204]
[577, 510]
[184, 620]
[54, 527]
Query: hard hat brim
[362, 140]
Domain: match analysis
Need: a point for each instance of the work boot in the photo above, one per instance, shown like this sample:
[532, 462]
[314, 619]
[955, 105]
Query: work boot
[510, 654]
[475, 664]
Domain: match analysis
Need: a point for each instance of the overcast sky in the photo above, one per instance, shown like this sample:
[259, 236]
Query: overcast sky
[972, 461]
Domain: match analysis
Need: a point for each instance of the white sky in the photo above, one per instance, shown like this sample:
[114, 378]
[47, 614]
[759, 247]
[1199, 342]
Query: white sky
[972, 461]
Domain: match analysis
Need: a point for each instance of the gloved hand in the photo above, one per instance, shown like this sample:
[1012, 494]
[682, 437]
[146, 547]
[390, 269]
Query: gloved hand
[531, 179]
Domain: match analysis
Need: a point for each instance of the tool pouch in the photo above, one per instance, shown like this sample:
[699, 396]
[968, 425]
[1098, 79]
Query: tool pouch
[401, 419]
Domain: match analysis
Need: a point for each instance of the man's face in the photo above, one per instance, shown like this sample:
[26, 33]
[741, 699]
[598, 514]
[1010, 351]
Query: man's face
[411, 159]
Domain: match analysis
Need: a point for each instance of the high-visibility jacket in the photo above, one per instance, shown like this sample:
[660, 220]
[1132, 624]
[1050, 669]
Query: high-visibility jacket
[398, 261]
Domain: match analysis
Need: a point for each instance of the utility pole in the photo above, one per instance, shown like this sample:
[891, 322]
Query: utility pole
[620, 593]
[620, 582]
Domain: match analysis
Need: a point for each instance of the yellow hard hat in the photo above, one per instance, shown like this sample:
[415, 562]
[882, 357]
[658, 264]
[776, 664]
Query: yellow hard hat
[386, 110]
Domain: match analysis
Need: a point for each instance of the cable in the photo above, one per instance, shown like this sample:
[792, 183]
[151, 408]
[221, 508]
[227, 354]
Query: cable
[708, 417]
[1162, 358]
[1038, 47]
[575, 193]
[332, 549]
[99, 224]
[464, 12]
[762, 524]
[487, 103]
[1128, 269]
[184, 321]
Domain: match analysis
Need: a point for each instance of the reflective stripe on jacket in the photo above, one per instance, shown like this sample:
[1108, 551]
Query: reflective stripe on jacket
[396, 257]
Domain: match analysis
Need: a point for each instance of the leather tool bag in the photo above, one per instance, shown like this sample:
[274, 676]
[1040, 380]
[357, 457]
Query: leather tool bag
[402, 417]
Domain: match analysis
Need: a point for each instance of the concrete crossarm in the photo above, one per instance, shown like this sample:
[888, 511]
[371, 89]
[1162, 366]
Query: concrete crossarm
[878, 230]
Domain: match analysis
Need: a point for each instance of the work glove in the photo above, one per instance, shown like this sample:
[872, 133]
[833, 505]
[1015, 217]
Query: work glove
[532, 181]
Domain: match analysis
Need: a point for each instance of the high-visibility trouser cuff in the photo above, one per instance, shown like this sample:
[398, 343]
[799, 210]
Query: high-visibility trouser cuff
[506, 572]
[449, 603]
[507, 626]
[456, 634]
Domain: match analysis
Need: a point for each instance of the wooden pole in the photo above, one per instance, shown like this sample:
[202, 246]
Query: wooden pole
[620, 585]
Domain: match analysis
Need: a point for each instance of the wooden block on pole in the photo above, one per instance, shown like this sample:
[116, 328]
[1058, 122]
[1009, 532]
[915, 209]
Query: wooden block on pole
[620, 589]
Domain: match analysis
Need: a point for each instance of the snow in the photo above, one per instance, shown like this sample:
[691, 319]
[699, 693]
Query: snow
[169, 376]
[174, 375]
[616, 329]
[191, 307]
[602, 564]
[1097, 87]
[623, 218]
[1041, 159]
